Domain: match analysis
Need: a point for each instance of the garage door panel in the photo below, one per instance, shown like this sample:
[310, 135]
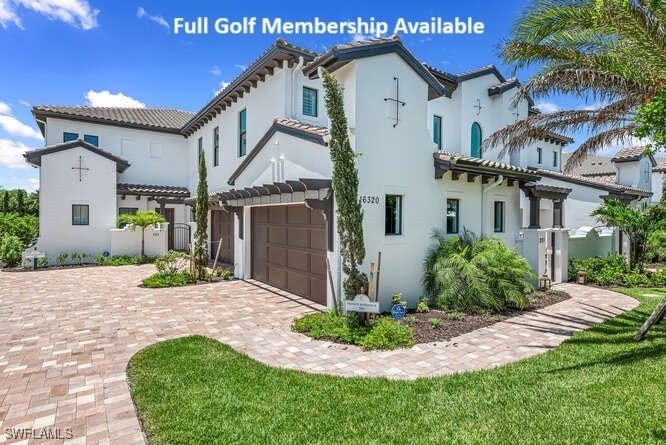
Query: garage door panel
[298, 260]
[298, 236]
[288, 251]
[318, 239]
[277, 235]
[297, 215]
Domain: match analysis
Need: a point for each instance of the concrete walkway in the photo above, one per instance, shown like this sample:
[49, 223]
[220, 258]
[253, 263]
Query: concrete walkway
[66, 337]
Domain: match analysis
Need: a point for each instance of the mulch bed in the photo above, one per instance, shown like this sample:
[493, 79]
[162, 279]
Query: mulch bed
[424, 332]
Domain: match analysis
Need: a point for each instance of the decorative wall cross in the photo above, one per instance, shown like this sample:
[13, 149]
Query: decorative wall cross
[478, 106]
[397, 101]
[80, 168]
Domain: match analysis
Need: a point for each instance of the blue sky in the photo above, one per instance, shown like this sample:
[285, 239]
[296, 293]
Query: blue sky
[110, 53]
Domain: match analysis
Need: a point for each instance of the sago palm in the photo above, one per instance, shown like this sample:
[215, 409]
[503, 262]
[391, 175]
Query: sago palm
[611, 52]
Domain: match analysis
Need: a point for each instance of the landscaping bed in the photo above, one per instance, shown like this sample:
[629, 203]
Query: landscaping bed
[452, 326]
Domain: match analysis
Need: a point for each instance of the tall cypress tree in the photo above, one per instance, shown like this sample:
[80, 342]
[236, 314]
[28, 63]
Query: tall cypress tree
[201, 216]
[345, 190]
[20, 202]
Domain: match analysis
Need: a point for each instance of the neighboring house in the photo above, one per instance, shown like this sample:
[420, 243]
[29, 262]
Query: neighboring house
[418, 133]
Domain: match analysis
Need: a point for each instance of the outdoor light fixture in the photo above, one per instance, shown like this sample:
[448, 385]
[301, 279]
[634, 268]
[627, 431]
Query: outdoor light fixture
[581, 277]
[545, 282]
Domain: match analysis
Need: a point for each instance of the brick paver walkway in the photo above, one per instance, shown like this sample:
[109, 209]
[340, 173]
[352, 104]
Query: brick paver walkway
[66, 337]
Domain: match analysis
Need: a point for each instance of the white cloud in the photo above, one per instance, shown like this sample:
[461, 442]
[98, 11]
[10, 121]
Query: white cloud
[28, 184]
[141, 13]
[593, 107]
[77, 13]
[107, 99]
[11, 154]
[358, 37]
[548, 107]
[223, 85]
[215, 71]
[5, 108]
[241, 66]
[14, 126]
[25, 103]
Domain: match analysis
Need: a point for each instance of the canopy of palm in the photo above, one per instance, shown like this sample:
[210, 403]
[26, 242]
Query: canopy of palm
[611, 52]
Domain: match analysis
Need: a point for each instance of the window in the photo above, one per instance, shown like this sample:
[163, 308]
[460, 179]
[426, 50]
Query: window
[475, 148]
[216, 146]
[309, 102]
[452, 215]
[539, 155]
[499, 216]
[91, 139]
[127, 211]
[555, 158]
[80, 215]
[393, 219]
[437, 131]
[200, 148]
[66, 136]
[242, 133]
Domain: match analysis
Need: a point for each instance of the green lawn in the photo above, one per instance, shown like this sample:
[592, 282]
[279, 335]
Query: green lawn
[598, 387]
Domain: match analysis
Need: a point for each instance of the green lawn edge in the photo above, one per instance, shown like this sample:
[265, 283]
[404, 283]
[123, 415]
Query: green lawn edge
[599, 386]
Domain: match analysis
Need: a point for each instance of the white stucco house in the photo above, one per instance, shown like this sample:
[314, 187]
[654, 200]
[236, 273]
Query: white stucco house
[418, 132]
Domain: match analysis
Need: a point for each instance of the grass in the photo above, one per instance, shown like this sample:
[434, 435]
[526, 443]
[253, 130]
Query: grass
[598, 387]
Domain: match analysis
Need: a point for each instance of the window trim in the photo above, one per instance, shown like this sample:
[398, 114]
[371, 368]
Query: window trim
[216, 146]
[502, 226]
[437, 132]
[316, 101]
[457, 217]
[242, 132]
[399, 210]
[65, 139]
[87, 221]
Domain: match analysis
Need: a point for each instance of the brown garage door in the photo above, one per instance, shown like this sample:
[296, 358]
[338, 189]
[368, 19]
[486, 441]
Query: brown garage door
[289, 249]
[222, 227]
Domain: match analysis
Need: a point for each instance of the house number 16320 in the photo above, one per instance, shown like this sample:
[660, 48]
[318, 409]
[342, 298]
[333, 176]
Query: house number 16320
[367, 199]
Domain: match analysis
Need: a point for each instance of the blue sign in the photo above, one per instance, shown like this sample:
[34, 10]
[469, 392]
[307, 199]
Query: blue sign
[398, 311]
[106, 254]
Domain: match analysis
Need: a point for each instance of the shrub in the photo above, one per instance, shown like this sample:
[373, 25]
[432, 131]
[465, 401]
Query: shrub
[169, 280]
[423, 307]
[61, 259]
[655, 251]
[118, 260]
[328, 325]
[455, 315]
[25, 227]
[435, 322]
[603, 271]
[476, 273]
[11, 249]
[225, 274]
[76, 257]
[633, 279]
[172, 262]
[411, 320]
[387, 334]
[658, 279]
[43, 262]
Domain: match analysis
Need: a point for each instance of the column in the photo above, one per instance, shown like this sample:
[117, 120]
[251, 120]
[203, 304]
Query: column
[534, 212]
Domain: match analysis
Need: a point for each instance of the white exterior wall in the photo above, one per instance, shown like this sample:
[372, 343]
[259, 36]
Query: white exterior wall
[127, 241]
[657, 185]
[181, 213]
[269, 100]
[156, 158]
[60, 189]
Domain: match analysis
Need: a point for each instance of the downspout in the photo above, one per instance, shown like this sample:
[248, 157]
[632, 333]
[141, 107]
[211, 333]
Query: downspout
[298, 66]
[484, 193]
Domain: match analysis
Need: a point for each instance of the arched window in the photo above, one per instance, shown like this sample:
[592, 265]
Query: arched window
[475, 146]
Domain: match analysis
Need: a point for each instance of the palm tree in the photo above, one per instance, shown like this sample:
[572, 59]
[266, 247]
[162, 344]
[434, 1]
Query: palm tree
[473, 272]
[637, 223]
[143, 220]
[610, 51]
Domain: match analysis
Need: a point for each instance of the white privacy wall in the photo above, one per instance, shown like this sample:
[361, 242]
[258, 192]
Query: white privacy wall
[60, 188]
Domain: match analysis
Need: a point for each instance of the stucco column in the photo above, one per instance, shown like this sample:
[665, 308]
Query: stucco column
[534, 212]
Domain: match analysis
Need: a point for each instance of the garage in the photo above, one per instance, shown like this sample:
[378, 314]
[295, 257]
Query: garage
[222, 228]
[289, 249]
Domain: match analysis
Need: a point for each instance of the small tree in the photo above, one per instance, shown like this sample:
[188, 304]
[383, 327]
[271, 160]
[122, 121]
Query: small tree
[142, 220]
[5, 202]
[20, 202]
[345, 189]
[637, 223]
[201, 217]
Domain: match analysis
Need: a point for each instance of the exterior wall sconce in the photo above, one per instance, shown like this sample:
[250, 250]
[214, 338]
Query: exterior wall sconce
[545, 282]
[581, 277]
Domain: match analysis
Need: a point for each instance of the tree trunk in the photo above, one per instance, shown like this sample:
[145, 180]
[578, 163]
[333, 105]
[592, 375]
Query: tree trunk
[656, 316]
[143, 232]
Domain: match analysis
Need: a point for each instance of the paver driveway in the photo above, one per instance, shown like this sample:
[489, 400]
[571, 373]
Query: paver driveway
[66, 337]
